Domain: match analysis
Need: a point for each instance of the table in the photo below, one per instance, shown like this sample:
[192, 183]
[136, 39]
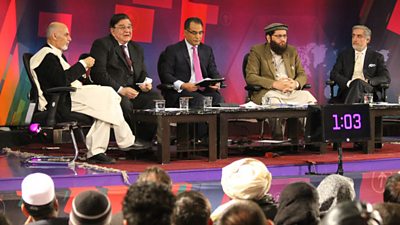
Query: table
[376, 112]
[164, 120]
[290, 112]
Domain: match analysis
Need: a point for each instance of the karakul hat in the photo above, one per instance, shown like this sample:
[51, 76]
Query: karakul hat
[37, 189]
[90, 208]
[246, 179]
[275, 26]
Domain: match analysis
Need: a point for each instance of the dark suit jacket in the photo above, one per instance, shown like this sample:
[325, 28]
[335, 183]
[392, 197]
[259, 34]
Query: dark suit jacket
[51, 74]
[374, 69]
[111, 69]
[176, 65]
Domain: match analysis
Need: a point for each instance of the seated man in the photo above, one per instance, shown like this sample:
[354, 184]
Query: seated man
[39, 202]
[276, 67]
[51, 70]
[120, 65]
[357, 70]
[187, 62]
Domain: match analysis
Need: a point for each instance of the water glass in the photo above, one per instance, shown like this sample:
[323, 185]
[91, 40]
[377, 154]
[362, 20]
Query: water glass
[159, 105]
[184, 103]
[207, 102]
[368, 98]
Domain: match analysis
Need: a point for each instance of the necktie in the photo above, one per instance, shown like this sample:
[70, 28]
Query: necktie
[127, 59]
[358, 66]
[196, 65]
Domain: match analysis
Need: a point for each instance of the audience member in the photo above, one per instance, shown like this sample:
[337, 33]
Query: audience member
[191, 208]
[148, 203]
[90, 207]
[389, 212]
[358, 69]
[180, 63]
[150, 174]
[247, 179]
[352, 213]
[39, 202]
[120, 65]
[298, 204]
[52, 70]
[392, 189]
[334, 189]
[243, 212]
[155, 174]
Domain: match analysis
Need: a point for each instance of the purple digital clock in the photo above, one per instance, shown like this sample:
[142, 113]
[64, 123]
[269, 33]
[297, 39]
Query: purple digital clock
[345, 122]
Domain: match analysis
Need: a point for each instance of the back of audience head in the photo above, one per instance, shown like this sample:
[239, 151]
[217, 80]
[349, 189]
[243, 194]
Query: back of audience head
[191, 208]
[389, 212]
[148, 203]
[90, 207]
[298, 204]
[352, 213]
[38, 197]
[155, 174]
[246, 179]
[392, 189]
[334, 189]
[243, 212]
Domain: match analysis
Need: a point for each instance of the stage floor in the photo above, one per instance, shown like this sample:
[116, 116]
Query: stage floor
[369, 172]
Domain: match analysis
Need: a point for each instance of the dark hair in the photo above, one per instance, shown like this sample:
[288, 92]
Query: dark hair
[160, 175]
[349, 213]
[118, 17]
[392, 189]
[191, 207]
[194, 20]
[148, 203]
[389, 211]
[268, 205]
[41, 211]
[242, 212]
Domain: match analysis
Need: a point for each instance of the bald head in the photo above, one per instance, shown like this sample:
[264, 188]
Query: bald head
[58, 35]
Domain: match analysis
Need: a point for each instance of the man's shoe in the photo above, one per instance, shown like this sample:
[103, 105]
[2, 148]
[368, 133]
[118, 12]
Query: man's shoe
[101, 159]
[138, 145]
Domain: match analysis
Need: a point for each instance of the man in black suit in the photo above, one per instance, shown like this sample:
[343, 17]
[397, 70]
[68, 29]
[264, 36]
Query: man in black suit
[120, 65]
[359, 69]
[178, 64]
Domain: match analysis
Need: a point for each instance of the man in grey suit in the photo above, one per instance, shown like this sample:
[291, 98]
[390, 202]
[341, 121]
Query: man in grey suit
[120, 65]
[357, 70]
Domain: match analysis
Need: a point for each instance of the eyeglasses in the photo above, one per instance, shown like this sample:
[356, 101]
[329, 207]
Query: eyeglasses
[195, 32]
[124, 27]
[279, 36]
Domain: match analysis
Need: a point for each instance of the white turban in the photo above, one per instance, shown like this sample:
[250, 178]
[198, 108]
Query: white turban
[246, 179]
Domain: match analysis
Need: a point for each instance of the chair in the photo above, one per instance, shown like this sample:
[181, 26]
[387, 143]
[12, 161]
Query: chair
[379, 91]
[48, 120]
[253, 88]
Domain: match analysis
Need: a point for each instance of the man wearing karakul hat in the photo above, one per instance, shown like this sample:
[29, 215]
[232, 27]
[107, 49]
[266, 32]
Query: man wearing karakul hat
[247, 179]
[276, 67]
[39, 202]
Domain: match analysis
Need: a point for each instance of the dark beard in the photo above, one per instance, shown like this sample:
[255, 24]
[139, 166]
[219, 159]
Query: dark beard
[279, 50]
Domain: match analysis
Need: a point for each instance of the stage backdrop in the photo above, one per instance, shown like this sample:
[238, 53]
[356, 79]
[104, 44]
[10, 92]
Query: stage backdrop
[318, 28]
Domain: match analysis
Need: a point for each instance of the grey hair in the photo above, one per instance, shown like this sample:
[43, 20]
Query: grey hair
[367, 31]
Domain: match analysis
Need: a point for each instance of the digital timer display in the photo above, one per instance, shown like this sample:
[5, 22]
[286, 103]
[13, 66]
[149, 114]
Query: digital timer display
[342, 122]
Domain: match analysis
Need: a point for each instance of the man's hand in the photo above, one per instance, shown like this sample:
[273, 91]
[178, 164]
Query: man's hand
[191, 87]
[215, 87]
[285, 85]
[128, 92]
[145, 87]
[89, 61]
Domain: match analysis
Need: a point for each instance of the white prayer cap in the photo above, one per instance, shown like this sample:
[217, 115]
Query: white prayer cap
[246, 179]
[37, 189]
